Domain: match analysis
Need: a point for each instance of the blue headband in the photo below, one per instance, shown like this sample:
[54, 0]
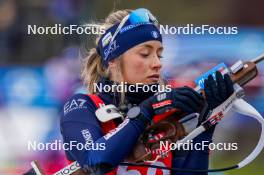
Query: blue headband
[129, 36]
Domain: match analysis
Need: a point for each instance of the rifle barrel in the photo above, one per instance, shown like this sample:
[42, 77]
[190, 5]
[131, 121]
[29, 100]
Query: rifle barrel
[258, 59]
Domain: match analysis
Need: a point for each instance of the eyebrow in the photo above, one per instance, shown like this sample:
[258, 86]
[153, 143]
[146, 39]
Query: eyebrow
[151, 47]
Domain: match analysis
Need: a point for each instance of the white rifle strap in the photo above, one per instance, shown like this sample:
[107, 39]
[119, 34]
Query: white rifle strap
[216, 115]
[242, 107]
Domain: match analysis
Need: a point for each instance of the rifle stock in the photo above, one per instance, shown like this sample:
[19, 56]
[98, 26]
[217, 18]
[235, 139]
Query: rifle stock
[246, 74]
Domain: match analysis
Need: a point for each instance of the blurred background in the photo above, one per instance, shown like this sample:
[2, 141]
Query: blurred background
[39, 72]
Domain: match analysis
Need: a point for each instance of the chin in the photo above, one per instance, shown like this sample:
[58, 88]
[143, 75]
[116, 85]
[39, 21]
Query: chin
[151, 82]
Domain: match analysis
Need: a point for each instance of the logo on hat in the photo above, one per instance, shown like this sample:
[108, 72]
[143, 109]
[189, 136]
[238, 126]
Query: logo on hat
[154, 34]
[106, 39]
[111, 48]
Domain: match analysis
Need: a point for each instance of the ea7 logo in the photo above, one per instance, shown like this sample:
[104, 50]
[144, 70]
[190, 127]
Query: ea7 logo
[74, 104]
[161, 97]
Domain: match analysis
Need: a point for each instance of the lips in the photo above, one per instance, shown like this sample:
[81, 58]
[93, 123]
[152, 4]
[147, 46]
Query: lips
[154, 77]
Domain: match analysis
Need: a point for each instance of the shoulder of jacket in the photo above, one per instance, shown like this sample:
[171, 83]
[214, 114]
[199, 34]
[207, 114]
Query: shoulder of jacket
[78, 102]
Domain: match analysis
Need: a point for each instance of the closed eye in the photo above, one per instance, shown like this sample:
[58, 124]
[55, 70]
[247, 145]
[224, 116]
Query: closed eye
[145, 55]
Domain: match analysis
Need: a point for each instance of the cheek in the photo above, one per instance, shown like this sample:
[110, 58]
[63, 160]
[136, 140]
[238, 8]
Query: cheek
[139, 66]
[135, 70]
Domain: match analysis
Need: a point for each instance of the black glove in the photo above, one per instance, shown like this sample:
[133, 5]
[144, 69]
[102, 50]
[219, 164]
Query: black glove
[217, 91]
[185, 100]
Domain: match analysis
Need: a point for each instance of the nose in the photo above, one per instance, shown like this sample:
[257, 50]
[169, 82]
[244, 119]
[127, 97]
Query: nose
[156, 64]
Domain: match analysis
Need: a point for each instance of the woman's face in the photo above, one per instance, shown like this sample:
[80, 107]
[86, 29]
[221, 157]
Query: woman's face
[142, 64]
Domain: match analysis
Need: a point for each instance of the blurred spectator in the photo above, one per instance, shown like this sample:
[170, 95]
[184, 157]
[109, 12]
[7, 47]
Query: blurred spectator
[7, 30]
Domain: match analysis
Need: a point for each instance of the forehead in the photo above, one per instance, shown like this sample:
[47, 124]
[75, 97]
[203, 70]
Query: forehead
[151, 45]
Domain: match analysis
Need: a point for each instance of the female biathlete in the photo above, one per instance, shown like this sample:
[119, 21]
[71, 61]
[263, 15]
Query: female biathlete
[129, 53]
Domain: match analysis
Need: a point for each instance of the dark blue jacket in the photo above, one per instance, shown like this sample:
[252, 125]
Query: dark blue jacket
[80, 125]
